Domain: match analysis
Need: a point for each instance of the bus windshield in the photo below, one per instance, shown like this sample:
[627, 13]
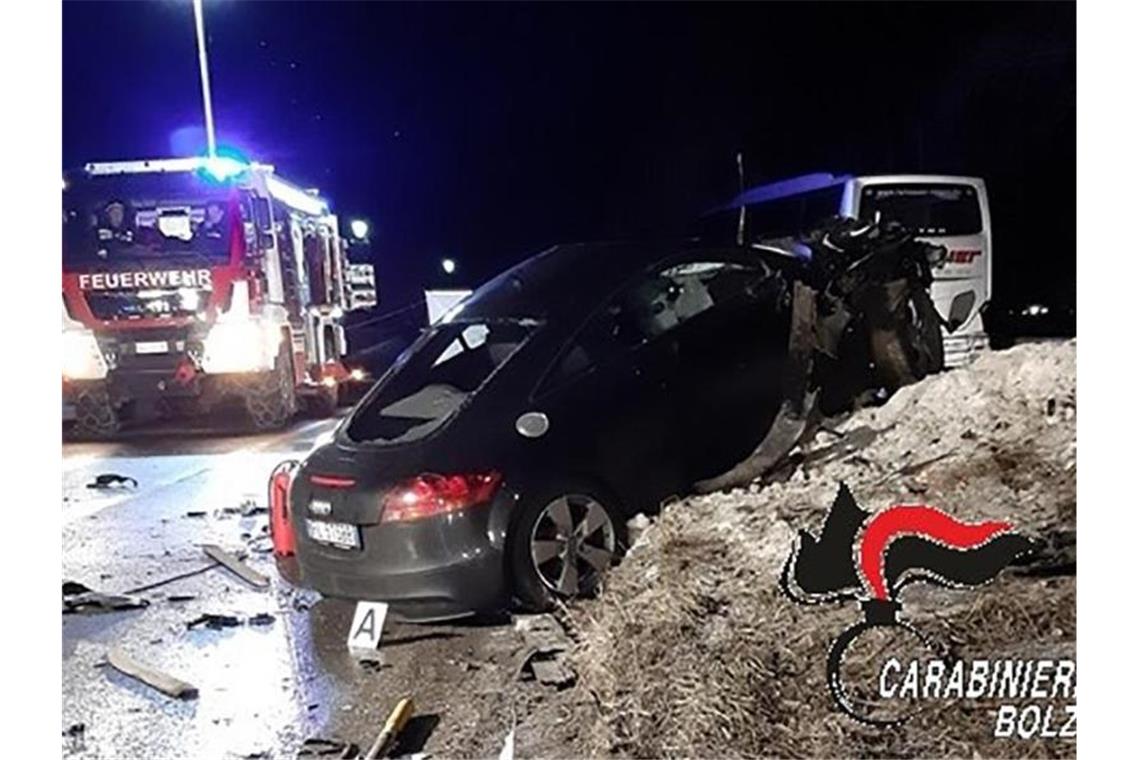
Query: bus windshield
[144, 217]
[927, 209]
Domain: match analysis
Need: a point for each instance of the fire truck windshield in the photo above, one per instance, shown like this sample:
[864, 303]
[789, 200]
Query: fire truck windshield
[145, 217]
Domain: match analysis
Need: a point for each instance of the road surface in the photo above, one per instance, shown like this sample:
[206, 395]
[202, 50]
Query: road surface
[263, 689]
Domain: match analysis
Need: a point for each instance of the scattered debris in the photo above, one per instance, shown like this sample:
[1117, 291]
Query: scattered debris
[75, 735]
[236, 566]
[545, 642]
[78, 598]
[213, 621]
[111, 480]
[217, 622]
[176, 598]
[547, 668]
[397, 719]
[196, 513]
[261, 618]
[167, 684]
[318, 747]
[172, 578]
[372, 666]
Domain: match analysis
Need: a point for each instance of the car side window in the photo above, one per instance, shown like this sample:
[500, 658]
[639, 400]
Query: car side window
[653, 305]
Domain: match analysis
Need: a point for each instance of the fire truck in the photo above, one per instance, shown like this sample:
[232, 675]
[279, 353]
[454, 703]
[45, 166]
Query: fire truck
[193, 282]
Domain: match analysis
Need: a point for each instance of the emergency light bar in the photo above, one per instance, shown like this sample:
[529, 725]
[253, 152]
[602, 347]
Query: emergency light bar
[219, 164]
[294, 196]
[221, 168]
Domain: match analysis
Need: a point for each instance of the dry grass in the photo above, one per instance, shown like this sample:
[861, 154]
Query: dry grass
[692, 651]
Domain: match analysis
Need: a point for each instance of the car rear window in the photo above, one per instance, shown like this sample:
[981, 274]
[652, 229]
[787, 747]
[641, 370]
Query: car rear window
[928, 209]
[435, 380]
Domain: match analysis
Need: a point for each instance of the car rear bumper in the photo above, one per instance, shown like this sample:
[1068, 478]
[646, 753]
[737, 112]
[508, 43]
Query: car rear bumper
[431, 569]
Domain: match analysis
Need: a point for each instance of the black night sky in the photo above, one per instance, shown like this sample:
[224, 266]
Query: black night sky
[487, 132]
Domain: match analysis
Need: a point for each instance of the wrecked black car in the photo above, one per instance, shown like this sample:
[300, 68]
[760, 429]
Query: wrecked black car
[502, 454]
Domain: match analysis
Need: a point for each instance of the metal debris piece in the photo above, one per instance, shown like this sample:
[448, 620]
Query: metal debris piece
[547, 668]
[112, 480]
[236, 566]
[171, 579]
[78, 598]
[542, 632]
[397, 719]
[552, 672]
[213, 621]
[545, 643]
[167, 684]
[175, 598]
[318, 747]
[196, 513]
[261, 618]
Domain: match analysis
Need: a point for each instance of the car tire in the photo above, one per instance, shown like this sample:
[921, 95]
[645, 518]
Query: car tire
[95, 415]
[576, 521]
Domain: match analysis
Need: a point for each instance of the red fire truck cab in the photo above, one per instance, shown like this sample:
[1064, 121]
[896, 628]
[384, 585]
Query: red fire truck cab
[193, 281]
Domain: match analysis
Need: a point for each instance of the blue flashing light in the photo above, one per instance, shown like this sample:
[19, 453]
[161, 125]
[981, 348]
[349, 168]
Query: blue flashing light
[225, 165]
[222, 168]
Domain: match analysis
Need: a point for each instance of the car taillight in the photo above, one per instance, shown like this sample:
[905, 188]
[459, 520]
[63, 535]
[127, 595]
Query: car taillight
[430, 495]
[280, 528]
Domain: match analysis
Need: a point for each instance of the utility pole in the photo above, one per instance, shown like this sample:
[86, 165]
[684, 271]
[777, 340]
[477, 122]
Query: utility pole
[204, 71]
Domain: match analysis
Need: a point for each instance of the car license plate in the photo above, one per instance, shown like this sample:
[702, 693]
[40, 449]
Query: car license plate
[152, 347]
[343, 535]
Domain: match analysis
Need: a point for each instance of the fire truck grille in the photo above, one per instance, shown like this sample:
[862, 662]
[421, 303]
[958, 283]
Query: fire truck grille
[132, 305]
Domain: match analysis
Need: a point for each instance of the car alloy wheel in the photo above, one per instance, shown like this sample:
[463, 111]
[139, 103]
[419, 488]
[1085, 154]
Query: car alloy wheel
[572, 544]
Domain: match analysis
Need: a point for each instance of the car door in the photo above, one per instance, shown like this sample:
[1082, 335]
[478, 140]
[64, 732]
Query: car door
[607, 396]
[731, 330]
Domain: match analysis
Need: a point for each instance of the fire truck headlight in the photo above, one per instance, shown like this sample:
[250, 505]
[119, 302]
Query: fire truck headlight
[240, 346]
[82, 359]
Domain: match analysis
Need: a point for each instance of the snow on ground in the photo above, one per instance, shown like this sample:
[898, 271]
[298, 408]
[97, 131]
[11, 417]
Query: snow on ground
[692, 650]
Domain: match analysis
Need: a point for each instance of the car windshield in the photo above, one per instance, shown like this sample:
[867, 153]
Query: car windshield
[434, 380]
[147, 217]
[928, 209]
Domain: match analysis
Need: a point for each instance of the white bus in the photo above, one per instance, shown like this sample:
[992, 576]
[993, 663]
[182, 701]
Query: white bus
[946, 210]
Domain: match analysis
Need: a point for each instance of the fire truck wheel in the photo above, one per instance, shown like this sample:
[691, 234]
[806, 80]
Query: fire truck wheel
[95, 415]
[269, 400]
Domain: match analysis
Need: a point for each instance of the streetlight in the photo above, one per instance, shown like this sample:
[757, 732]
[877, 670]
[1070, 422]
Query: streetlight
[204, 73]
[359, 228]
[448, 265]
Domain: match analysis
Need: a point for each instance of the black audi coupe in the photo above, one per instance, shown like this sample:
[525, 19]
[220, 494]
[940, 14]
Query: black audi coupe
[498, 460]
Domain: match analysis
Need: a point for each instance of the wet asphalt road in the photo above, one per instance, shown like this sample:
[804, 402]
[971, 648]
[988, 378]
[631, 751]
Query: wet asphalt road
[262, 689]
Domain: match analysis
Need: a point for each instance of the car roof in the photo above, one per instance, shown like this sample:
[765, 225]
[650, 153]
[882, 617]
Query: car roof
[562, 278]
